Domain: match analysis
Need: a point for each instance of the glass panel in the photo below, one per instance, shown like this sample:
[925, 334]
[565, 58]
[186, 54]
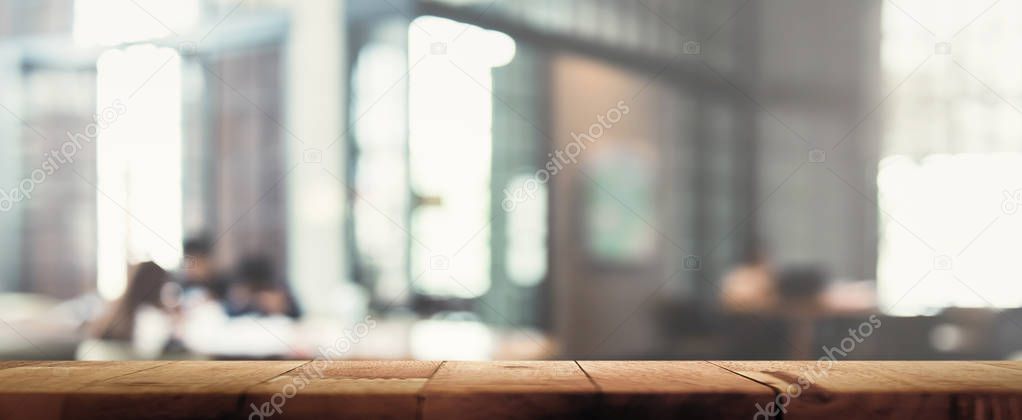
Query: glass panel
[449, 151]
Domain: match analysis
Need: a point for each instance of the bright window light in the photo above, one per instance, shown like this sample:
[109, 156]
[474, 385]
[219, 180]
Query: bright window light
[951, 157]
[112, 22]
[382, 147]
[527, 235]
[955, 203]
[450, 141]
[436, 339]
[138, 162]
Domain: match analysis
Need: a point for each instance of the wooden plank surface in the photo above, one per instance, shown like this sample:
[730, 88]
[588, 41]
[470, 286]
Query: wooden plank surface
[665, 389]
[325, 389]
[904, 390]
[5, 364]
[181, 389]
[526, 389]
[38, 390]
[491, 390]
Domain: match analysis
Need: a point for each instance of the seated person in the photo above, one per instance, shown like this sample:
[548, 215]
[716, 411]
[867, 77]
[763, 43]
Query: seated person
[255, 291]
[139, 324]
[255, 320]
[199, 279]
[750, 287]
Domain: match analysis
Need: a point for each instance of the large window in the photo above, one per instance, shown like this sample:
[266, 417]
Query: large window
[450, 140]
[138, 150]
[951, 172]
[138, 162]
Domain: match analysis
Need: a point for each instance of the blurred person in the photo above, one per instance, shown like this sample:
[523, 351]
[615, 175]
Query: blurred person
[256, 290]
[256, 319]
[200, 279]
[751, 287]
[139, 324]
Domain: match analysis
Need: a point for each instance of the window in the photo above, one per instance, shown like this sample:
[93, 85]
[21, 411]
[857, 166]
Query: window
[951, 165]
[381, 176]
[138, 162]
[450, 141]
[138, 150]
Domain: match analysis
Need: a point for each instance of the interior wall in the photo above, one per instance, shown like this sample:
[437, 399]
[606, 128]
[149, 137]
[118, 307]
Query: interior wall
[10, 169]
[28, 18]
[816, 84]
[595, 298]
[58, 229]
[740, 172]
[247, 144]
[35, 17]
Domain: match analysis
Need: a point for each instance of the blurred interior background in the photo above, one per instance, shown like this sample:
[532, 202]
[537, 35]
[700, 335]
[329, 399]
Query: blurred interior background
[498, 179]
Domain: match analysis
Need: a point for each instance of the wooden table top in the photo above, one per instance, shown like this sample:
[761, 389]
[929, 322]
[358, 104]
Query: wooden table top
[527, 389]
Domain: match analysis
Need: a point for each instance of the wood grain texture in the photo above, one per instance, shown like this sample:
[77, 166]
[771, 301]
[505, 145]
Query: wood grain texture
[40, 390]
[5, 364]
[667, 389]
[325, 389]
[491, 390]
[1004, 364]
[175, 390]
[526, 389]
[904, 390]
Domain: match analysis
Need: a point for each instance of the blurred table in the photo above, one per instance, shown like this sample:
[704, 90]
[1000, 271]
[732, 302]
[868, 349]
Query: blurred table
[323, 389]
[801, 319]
[400, 339]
